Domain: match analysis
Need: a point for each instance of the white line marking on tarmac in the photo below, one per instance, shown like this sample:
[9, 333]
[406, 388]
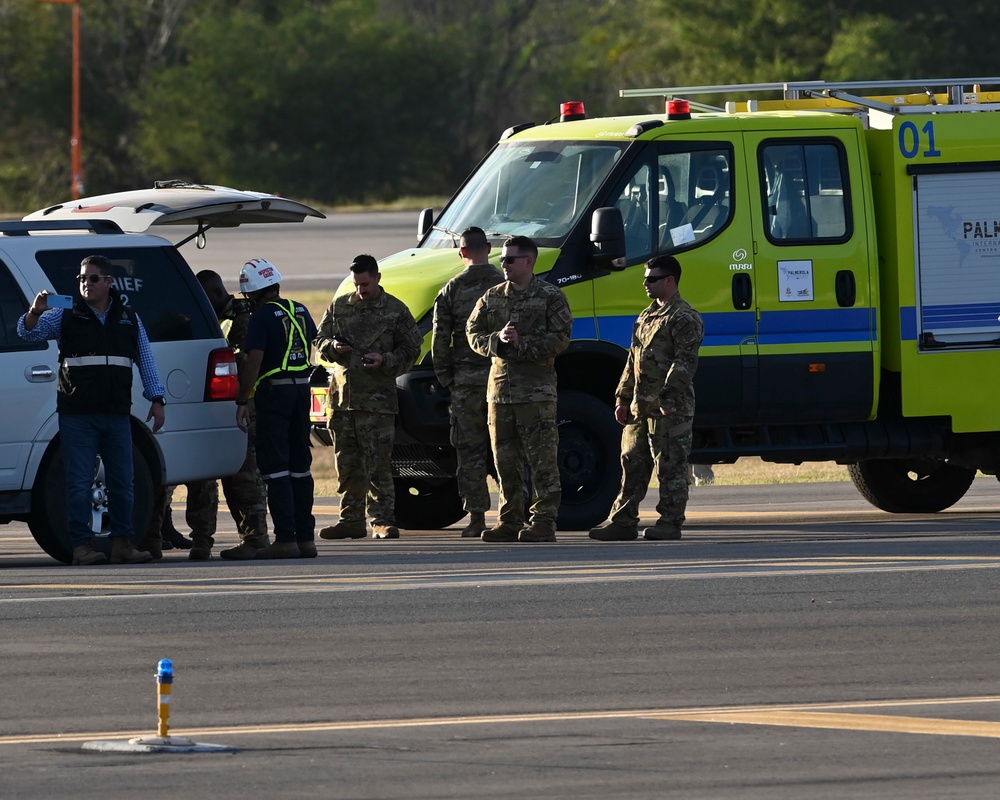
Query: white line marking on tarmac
[480, 578]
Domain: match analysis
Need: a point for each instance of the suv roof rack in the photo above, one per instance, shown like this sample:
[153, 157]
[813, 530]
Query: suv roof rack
[22, 228]
[833, 95]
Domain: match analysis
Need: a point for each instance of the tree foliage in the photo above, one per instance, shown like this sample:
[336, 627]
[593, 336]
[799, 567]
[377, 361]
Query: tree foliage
[360, 100]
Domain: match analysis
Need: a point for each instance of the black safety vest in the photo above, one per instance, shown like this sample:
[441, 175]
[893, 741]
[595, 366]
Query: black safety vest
[292, 360]
[95, 360]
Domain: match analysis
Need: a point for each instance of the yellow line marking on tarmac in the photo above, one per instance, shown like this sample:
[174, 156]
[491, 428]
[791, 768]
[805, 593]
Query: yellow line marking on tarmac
[885, 723]
[812, 715]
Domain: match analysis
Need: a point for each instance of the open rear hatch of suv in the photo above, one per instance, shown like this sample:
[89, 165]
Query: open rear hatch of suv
[180, 203]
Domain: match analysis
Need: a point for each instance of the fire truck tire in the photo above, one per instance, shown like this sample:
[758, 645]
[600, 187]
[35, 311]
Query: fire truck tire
[911, 486]
[427, 505]
[589, 460]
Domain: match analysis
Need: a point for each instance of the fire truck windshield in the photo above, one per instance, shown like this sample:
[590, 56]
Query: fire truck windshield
[531, 188]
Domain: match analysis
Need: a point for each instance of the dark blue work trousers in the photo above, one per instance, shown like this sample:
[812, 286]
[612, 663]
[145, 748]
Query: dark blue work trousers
[82, 438]
[284, 459]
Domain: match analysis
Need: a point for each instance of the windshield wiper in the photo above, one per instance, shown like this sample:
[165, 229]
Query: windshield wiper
[455, 236]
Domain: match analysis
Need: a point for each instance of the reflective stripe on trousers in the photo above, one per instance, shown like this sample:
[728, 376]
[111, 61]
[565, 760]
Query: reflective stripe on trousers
[98, 361]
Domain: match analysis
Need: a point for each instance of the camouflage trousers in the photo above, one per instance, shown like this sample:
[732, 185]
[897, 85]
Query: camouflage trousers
[526, 434]
[362, 448]
[200, 514]
[470, 436]
[663, 443]
[246, 496]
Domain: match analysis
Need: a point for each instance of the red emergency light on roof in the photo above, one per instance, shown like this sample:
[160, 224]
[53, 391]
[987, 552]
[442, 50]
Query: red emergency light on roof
[571, 111]
[678, 109]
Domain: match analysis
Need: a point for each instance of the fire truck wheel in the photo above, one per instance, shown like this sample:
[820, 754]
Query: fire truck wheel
[589, 460]
[427, 504]
[911, 486]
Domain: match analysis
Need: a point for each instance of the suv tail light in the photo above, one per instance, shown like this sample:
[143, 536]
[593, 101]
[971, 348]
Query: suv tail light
[319, 381]
[223, 382]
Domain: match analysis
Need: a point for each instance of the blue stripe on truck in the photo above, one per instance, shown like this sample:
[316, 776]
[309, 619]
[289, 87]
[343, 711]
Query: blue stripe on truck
[732, 328]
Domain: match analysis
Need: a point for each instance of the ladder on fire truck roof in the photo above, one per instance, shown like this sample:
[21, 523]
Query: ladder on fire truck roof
[838, 96]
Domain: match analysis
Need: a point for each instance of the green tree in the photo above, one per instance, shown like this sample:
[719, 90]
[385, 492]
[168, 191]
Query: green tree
[331, 102]
[519, 59]
[351, 100]
[35, 103]
[122, 43]
[868, 47]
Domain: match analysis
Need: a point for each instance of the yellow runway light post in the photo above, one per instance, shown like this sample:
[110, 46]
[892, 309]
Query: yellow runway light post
[164, 686]
[162, 742]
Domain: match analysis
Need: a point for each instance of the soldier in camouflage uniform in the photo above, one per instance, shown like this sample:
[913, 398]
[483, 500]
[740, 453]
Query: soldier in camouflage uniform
[523, 324]
[245, 492]
[464, 373]
[370, 338]
[655, 404]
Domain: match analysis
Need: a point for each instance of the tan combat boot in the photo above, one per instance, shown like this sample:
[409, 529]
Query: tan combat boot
[345, 530]
[662, 532]
[279, 550]
[501, 532]
[124, 552]
[384, 531]
[612, 531]
[477, 524]
[84, 555]
[245, 551]
[537, 532]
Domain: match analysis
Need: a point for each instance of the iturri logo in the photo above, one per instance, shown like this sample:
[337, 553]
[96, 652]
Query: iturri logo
[740, 260]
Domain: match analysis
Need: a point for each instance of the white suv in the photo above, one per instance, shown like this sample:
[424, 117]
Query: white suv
[200, 439]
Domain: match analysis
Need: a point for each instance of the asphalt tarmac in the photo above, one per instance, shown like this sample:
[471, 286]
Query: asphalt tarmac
[795, 643]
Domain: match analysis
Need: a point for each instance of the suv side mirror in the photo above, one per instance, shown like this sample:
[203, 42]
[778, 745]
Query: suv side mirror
[607, 234]
[424, 223]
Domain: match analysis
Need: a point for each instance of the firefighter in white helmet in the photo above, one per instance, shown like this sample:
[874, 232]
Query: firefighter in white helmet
[276, 376]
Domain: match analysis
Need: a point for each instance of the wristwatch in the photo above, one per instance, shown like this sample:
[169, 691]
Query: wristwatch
[161, 400]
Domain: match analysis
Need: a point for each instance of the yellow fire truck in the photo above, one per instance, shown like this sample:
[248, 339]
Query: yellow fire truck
[842, 244]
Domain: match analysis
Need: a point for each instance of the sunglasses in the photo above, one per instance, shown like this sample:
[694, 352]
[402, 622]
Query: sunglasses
[654, 278]
[510, 259]
[93, 277]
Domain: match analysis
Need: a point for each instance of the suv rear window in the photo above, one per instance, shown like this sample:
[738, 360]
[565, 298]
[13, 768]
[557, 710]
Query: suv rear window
[155, 281]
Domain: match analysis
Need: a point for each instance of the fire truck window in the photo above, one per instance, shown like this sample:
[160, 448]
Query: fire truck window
[803, 187]
[634, 203]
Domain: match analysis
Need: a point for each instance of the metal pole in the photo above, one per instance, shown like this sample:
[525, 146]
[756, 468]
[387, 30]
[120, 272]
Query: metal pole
[75, 142]
[76, 178]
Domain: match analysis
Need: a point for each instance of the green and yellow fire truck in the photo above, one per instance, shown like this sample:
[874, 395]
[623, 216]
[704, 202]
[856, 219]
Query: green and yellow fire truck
[842, 244]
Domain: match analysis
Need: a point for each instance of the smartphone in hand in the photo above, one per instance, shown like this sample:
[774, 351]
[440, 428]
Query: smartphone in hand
[59, 300]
